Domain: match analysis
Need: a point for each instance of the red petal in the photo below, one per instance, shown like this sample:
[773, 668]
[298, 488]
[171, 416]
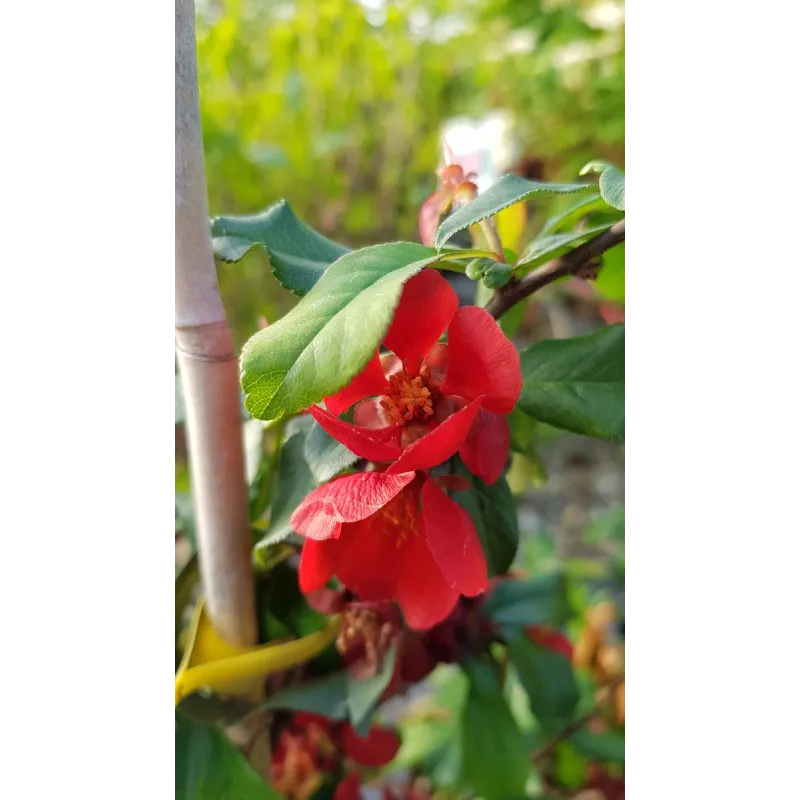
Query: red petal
[552, 640]
[425, 310]
[346, 499]
[381, 444]
[485, 450]
[378, 747]
[368, 562]
[317, 564]
[482, 361]
[348, 787]
[429, 215]
[453, 541]
[424, 595]
[370, 381]
[440, 444]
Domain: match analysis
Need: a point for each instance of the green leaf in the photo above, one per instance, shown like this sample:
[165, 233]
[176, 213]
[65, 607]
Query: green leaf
[231, 248]
[298, 254]
[548, 680]
[329, 336]
[209, 767]
[495, 760]
[325, 456]
[604, 747]
[215, 710]
[327, 696]
[612, 188]
[566, 219]
[523, 431]
[508, 190]
[295, 480]
[577, 384]
[545, 248]
[363, 695]
[542, 600]
[494, 514]
[282, 608]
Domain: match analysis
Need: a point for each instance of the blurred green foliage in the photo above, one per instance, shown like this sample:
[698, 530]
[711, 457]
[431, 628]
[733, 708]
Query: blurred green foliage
[338, 105]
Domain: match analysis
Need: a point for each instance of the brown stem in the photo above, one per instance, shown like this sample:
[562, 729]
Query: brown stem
[574, 727]
[571, 263]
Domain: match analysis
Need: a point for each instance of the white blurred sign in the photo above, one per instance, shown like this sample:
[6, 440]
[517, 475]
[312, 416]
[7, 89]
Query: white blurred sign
[485, 147]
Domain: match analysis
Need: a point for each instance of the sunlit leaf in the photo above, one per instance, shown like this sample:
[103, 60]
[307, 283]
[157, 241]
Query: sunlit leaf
[510, 189]
[546, 248]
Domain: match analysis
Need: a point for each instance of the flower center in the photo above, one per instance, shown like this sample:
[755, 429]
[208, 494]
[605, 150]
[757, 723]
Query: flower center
[367, 634]
[409, 399]
[295, 775]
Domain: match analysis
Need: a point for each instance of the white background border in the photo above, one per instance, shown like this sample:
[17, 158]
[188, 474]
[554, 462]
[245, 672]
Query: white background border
[87, 399]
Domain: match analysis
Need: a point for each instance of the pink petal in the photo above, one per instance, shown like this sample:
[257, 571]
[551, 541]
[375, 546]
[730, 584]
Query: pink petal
[429, 214]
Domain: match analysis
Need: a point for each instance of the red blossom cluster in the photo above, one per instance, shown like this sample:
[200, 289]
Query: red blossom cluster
[312, 747]
[392, 532]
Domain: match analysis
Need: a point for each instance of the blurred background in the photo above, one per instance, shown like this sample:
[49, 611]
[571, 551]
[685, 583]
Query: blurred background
[341, 106]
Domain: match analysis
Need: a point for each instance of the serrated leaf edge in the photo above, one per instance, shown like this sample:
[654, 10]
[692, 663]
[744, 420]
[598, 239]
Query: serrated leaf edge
[502, 208]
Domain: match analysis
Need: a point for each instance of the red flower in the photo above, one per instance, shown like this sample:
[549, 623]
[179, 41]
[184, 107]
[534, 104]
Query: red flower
[428, 400]
[455, 189]
[391, 536]
[314, 745]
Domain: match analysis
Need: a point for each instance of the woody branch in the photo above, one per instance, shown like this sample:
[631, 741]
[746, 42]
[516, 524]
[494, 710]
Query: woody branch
[572, 263]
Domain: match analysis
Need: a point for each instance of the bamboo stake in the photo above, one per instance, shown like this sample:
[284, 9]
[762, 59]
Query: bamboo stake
[209, 370]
